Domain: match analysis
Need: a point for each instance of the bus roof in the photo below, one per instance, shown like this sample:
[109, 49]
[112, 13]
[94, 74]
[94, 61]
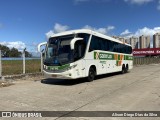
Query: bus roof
[89, 32]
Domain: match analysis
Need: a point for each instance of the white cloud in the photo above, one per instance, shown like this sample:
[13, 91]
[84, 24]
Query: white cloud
[48, 34]
[60, 28]
[158, 7]
[77, 1]
[57, 29]
[110, 28]
[141, 2]
[80, 1]
[101, 30]
[88, 27]
[138, 2]
[142, 31]
[17, 44]
[126, 32]
[147, 31]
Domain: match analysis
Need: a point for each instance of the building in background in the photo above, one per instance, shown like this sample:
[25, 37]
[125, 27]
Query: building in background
[156, 40]
[116, 37]
[127, 40]
[122, 39]
[144, 41]
[119, 38]
[134, 42]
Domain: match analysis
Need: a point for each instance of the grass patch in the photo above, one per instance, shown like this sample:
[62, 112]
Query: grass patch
[12, 67]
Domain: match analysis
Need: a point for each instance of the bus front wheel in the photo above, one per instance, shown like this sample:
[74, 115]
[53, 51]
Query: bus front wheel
[91, 74]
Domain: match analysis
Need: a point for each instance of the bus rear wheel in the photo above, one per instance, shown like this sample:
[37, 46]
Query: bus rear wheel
[126, 68]
[123, 69]
[91, 74]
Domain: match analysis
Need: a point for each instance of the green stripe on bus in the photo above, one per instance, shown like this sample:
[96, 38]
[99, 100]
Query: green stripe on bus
[119, 57]
[110, 56]
[116, 62]
[103, 56]
[127, 57]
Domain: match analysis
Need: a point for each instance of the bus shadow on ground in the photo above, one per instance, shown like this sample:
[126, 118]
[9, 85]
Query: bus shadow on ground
[65, 82]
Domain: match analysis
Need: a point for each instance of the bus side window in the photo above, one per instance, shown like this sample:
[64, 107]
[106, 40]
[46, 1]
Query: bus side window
[92, 44]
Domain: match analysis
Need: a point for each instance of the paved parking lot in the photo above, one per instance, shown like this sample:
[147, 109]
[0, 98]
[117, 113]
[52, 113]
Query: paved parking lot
[138, 90]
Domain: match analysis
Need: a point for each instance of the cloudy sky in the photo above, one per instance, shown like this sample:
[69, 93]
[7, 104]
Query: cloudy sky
[25, 23]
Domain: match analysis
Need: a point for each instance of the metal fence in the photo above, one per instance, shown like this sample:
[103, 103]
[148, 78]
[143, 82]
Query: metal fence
[19, 66]
[146, 60]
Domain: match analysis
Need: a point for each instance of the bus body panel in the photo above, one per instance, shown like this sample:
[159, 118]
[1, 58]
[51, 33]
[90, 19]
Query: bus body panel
[106, 66]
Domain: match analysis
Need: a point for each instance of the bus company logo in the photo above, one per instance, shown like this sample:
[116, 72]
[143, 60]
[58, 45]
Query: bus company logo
[96, 55]
[104, 56]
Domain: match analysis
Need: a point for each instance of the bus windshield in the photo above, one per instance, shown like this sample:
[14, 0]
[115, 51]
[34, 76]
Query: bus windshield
[58, 51]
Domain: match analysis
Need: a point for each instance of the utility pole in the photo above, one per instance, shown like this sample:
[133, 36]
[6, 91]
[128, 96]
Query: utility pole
[41, 62]
[0, 65]
[42, 52]
[24, 64]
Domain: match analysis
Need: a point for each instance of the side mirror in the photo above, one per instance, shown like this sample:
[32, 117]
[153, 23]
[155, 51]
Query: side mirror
[43, 54]
[73, 42]
[40, 45]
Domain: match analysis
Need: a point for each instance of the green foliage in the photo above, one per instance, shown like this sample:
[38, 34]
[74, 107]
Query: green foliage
[27, 54]
[6, 52]
[14, 53]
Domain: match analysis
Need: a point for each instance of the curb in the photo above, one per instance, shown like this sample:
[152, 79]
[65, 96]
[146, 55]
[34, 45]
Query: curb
[19, 76]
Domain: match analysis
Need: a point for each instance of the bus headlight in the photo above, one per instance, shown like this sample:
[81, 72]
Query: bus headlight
[71, 67]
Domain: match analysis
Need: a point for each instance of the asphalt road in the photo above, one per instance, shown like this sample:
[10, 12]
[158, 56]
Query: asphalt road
[138, 90]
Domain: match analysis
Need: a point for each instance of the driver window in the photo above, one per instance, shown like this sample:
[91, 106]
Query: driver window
[79, 50]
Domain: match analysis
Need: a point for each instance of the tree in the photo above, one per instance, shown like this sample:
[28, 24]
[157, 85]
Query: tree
[14, 53]
[27, 54]
[4, 51]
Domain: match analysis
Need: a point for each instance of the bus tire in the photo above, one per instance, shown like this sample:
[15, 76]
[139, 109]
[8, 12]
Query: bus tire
[126, 68]
[123, 69]
[91, 74]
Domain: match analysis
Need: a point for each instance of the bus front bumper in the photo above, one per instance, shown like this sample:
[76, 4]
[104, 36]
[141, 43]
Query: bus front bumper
[64, 75]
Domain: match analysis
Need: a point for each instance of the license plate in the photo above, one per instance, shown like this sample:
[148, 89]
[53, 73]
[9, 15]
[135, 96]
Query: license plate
[54, 75]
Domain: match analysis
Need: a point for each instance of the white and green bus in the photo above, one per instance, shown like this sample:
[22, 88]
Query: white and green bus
[84, 53]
